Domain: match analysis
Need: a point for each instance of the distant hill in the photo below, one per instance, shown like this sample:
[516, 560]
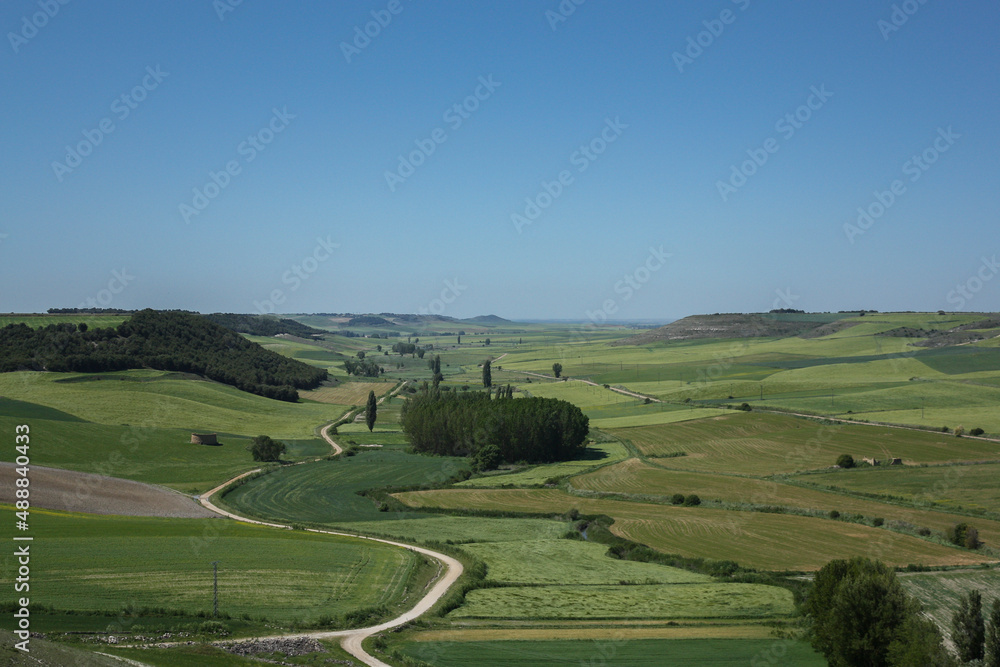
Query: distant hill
[738, 325]
[487, 319]
[262, 325]
[162, 340]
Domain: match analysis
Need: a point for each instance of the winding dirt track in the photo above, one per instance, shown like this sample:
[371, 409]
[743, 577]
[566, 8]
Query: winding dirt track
[351, 639]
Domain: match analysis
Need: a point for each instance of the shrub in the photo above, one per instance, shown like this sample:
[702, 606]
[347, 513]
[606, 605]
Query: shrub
[677, 499]
[692, 500]
[834, 514]
[745, 407]
[924, 531]
[959, 431]
[945, 429]
[878, 522]
[845, 461]
[976, 431]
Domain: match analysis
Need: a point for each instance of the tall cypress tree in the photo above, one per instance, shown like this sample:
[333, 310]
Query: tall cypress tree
[371, 410]
[993, 636]
[487, 374]
[968, 630]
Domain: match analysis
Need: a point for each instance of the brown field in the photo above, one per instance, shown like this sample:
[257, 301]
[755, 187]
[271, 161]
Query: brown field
[96, 494]
[635, 477]
[753, 539]
[348, 393]
[766, 444]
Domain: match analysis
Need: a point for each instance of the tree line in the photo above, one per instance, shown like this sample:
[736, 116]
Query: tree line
[536, 430]
[162, 340]
[262, 325]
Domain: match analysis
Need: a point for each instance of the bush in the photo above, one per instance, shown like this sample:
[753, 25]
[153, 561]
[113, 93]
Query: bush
[878, 522]
[834, 514]
[264, 449]
[692, 500]
[677, 499]
[923, 531]
[845, 461]
[959, 431]
[745, 407]
[976, 431]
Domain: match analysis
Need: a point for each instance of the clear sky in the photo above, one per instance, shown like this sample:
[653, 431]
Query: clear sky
[529, 158]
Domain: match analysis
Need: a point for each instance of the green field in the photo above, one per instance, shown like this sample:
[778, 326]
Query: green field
[110, 563]
[442, 527]
[157, 399]
[326, 491]
[640, 479]
[619, 652]
[672, 601]
[570, 562]
[939, 592]
[765, 444]
[971, 487]
[748, 538]
[596, 454]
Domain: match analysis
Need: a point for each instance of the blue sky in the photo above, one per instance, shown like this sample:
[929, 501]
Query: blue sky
[626, 124]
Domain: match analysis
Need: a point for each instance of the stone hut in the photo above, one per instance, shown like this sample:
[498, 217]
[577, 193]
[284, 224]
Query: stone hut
[895, 462]
[204, 438]
[871, 461]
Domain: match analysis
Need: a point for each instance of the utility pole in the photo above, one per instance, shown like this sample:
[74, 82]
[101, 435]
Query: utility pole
[215, 588]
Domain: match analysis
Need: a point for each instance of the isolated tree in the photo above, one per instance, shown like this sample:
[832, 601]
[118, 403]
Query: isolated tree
[263, 448]
[459, 339]
[82, 327]
[361, 354]
[487, 341]
[379, 347]
[968, 630]
[556, 369]
[992, 648]
[845, 461]
[487, 375]
[437, 364]
[370, 411]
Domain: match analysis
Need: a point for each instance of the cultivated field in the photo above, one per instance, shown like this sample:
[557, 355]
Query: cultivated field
[960, 486]
[748, 538]
[106, 563]
[637, 478]
[676, 601]
[765, 444]
[570, 562]
[346, 393]
[618, 651]
[597, 454]
[97, 494]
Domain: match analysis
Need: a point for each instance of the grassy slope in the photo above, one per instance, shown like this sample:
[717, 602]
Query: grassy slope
[155, 399]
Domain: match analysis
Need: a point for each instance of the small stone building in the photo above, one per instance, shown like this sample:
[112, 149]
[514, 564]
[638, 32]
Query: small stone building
[895, 462]
[871, 461]
[205, 438]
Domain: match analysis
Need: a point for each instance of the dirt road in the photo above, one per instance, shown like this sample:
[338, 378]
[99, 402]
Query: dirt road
[351, 639]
